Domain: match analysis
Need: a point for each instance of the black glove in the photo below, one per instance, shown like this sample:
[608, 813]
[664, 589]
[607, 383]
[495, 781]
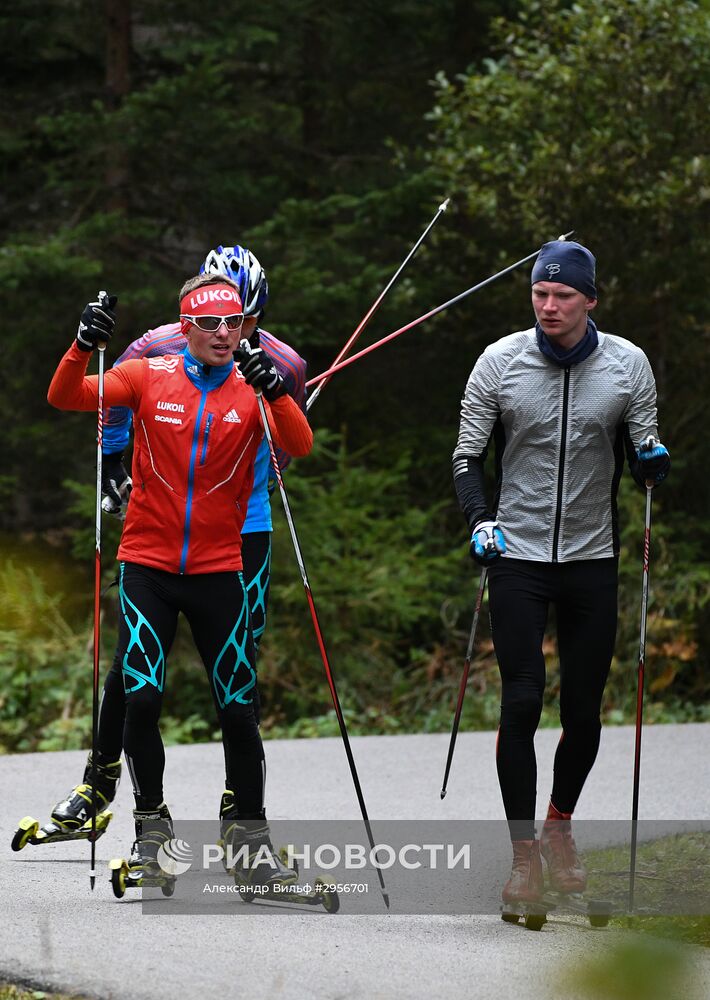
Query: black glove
[97, 322]
[259, 371]
[116, 485]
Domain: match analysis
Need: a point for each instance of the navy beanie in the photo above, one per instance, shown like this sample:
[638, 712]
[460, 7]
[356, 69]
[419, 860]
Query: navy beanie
[569, 264]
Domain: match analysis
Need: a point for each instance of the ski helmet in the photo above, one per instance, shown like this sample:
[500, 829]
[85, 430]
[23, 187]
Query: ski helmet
[241, 266]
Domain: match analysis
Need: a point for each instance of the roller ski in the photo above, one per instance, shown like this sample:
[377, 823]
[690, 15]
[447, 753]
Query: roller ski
[598, 911]
[523, 892]
[566, 874]
[154, 831]
[260, 872]
[71, 818]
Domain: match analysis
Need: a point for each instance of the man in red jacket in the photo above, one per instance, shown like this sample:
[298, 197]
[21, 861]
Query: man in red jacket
[197, 431]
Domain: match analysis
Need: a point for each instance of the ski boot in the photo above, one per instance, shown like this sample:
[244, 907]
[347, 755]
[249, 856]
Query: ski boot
[565, 870]
[522, 893]
[567, 876]
[151, 856]
[249, 854]
[260, 872]
[71, 818]
[227, 808]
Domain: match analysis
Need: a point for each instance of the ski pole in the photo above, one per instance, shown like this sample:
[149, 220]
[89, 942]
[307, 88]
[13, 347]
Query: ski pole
[316, 625]
[464, 678]
[375, 305]
[639, 689]
[103, 299]
[433, 312]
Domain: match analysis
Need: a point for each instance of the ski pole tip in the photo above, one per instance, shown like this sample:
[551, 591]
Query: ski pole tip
[385, 896]
[442, 793]
[444, 205]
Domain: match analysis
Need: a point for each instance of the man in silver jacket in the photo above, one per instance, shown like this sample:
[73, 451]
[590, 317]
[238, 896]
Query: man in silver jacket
[563, 404]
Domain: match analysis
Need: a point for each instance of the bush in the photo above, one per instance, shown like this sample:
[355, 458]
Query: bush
[394, 592]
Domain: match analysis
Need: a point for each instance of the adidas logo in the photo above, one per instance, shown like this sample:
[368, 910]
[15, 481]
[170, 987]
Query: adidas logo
[232, 417]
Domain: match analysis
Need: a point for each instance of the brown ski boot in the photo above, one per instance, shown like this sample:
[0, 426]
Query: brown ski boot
[565, 869]
[525, 883]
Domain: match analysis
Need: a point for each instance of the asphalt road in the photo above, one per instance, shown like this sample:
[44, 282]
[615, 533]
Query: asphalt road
[55, 933]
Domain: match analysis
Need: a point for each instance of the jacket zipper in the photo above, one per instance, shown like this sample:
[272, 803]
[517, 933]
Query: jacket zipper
[561, 469]
[208, 425]
[191, 481]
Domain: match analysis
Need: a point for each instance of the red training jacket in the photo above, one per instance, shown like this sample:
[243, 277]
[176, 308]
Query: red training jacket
[193, 457]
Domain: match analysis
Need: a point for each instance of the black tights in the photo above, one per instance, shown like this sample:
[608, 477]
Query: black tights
[256, 557]
[216, 607]
[584, 594]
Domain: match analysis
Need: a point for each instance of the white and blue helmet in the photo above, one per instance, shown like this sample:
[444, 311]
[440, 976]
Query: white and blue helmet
[241, 266]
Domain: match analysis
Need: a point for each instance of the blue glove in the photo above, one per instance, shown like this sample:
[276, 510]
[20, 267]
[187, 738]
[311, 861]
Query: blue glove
[487, 543]
[655, 460]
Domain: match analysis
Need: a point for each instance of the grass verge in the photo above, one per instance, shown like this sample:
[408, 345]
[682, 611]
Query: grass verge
[672, 883]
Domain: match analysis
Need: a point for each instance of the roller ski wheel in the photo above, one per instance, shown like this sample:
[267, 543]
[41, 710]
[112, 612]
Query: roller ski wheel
[30, 832]
[328, 898]
[119, 871]
[25, 833]
[533, 915]
[598, 911]
[123, 878]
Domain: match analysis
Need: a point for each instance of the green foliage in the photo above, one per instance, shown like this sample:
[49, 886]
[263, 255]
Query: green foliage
[394, 600]
[11, 992]
[378, 577]
[592, 117]
[677, 657]
[634, 970]
[303, 131]
[45, 667]
[46, 672]
[673, 876]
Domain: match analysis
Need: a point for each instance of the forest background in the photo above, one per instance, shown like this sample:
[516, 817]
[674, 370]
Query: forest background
[136, 136]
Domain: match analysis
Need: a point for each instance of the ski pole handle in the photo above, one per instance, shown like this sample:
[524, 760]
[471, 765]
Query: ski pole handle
[104, 302]
[246, 348]
[648, 445]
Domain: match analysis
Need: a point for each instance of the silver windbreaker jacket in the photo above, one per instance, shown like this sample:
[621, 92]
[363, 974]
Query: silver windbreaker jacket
[562, 433]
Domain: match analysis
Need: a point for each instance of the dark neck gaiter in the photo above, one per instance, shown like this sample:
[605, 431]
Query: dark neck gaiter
[580, 351]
